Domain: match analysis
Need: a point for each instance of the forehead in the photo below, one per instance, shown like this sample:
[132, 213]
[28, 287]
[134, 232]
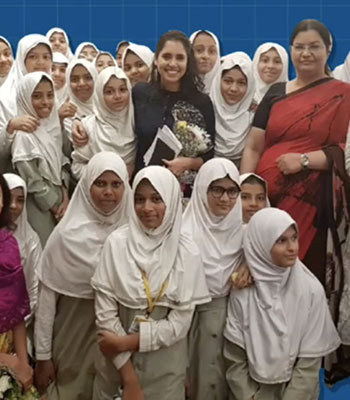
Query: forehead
[254, 188]
[43, 86]
[270, 53]
[224, 182]
[88, 47]
[145, 187]
[57, 35]
[79, 70]
[108, 176]
[17, 191]
[204, 39]
[235, 73]
[310, 36]
[115, 82]
[104, 57]
[40, 48]
[131, 57]
[173, 46]
[3, 45]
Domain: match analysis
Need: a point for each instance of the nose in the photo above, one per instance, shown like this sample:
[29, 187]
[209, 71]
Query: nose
[134, 70]
[147, 206]
[108, 191]
[234, 87]
[225, 196]
[12, 205]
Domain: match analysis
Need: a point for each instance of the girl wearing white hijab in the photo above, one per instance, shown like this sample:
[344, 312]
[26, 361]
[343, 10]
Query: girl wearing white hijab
[60, 42]
[213, 219]
[87, 51]
[6, 59]
[38, 157]
[270, 65]
[103, 60]
[147, 285]
[27, 238]
[207, 53]
[137, 63]
[342, 72]
[59, 68]
[119, 51]
[65, 321]
[33, 54]
[278, 330]
[232, 95]
[111, 127]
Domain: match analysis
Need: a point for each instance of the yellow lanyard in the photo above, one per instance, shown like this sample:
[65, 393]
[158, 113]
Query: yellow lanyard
[153, 301]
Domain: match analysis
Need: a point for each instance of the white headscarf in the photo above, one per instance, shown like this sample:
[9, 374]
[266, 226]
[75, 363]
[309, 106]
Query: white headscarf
[219, 239]
[143, 52]
[45, 143]
[232, 122]
[84, 108]
[3, 78]
[109, 130]
[73, 250]
[101, 53]
[163, 253]
[81, 46]
[209, 77]
[285, 314]
[61, 94]
[120, 44]
[342, 72]
[28, 242]
[261, 86]
[68, 53]
[8, 90]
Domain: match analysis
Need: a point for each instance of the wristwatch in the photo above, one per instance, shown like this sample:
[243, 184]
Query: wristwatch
[305, 161]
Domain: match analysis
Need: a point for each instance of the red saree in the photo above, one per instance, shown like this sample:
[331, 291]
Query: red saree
[309, 119]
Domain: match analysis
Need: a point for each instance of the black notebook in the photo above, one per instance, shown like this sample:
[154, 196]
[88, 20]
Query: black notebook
[161, 151]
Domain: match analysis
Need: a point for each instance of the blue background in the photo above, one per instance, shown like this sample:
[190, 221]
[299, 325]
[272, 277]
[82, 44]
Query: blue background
[240, 25]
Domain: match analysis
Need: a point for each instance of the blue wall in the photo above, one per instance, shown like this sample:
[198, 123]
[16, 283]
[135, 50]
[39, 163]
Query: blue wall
[240, 25]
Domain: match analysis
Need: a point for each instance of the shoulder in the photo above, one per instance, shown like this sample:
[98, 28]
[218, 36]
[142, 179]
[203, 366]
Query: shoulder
[142, 90]
[312, 286]
[118, 237]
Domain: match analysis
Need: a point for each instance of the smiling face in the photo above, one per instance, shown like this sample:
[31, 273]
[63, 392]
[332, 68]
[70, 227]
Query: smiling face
[135, 69]
[81, 83]
[6, 59]
[116, 94]
[43, 98]
[171, 64]
[17, 203]
[253, 197]
[285, 250]
[222, 196]
[205, 52]
[149, 205]
[234, 86]
[270, 66]
[39, 59]
[58, 43]
[88, 52]
[58, 75]
[104, 61]
[107, 192]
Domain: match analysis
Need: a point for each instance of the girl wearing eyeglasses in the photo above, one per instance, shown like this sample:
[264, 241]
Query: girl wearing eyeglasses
[213, 218]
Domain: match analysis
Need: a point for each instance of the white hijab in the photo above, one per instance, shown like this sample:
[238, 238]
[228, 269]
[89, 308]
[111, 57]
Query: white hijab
[84, 108]
[219, 239]
[8, 90]
[163, 254]
[68, 54]
[209, 77]
[61, 94]
[73, 250]
[143, 52]
[342, 72]
[101, 53]
[285, 314]
[109, 130]
[45, 143]
[28, 242]
[232, 122]
[3, 78]
[79, 49]
[261, 86]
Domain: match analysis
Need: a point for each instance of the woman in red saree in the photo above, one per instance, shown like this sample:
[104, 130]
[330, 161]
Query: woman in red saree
[296, 145]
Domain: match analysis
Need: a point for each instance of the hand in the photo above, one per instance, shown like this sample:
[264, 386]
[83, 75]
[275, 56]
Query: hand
[289, 163]
[44, 374]
[177, 166]
[110, 344]
[79, 135]
[24, 373]
[67, 110]
[132, 391]
[61, 209]
[25, 123]
[242, 277]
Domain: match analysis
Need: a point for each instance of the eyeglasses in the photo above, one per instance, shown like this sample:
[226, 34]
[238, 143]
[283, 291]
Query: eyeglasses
[313, 48]
[218, 191]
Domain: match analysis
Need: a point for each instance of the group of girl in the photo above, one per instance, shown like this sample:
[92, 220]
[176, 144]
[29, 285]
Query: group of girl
[191, 294]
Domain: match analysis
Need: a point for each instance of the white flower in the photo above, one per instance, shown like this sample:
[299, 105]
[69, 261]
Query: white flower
[4, 385]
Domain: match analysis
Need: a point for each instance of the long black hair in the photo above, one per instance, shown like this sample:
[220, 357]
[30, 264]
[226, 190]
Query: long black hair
[5, 221]
[190, 83]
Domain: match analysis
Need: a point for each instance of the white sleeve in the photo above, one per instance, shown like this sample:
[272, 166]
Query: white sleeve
[44, 321]
[165, 332]
[107, 318]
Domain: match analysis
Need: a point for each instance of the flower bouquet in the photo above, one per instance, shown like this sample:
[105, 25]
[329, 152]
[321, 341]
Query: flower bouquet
[195, 140]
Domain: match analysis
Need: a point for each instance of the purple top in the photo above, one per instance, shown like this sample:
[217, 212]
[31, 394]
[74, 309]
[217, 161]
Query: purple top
[14, 300]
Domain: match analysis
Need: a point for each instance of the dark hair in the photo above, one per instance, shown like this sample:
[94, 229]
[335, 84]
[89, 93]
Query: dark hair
[321, 29]
[254, 180]
[190, 82]
[238, 68]
[5, 221]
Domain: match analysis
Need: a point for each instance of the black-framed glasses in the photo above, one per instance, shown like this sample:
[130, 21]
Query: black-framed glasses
[218, 191]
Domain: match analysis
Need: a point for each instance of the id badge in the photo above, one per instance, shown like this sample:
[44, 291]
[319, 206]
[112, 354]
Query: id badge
[135, 325]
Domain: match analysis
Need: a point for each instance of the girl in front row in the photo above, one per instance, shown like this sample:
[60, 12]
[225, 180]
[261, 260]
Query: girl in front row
[278, 330]
[147, 285]
[38, 157]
